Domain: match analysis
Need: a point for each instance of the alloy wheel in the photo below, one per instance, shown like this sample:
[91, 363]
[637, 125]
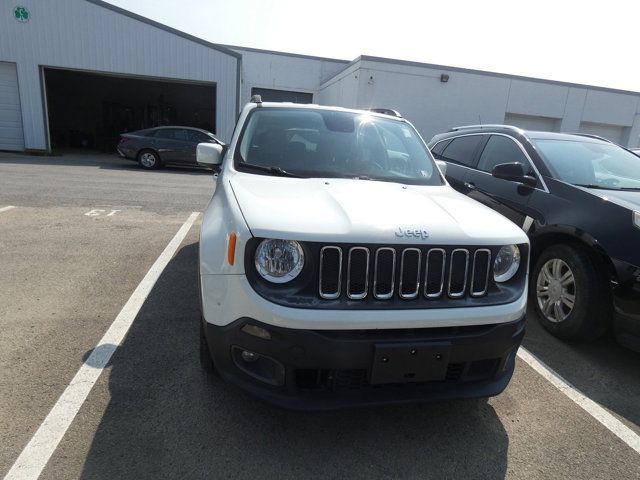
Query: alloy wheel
[148, 160]
[556, 290]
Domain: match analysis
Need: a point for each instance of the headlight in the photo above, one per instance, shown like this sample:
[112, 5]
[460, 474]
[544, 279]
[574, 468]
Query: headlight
[279, 261]
[506, 263]
[636, 219]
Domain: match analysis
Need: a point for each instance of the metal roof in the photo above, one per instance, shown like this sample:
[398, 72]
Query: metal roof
[166, 28]
[446, 68]
[287, 54]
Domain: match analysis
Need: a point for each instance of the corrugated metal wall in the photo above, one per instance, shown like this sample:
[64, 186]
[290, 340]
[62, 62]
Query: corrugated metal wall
[263, 69]
[77, 34]
[10, 116]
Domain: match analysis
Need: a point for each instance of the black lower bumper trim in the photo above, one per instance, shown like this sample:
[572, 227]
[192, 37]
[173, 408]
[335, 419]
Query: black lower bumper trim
[333, 369]
[626, 303]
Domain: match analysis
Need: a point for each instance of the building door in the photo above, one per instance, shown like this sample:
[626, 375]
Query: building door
[91, 110]
[615, 133]
[269, 95]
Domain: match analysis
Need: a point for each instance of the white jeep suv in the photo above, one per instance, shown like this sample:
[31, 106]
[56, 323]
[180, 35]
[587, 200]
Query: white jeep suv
[338, 267]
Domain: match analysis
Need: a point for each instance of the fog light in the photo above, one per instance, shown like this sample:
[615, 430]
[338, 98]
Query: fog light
[258, 366]
[256, 331]
[248, 356]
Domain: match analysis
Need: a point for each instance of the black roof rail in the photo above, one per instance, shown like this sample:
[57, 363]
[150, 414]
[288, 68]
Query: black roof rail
[591, 135]
[386, 111]
[488, 125]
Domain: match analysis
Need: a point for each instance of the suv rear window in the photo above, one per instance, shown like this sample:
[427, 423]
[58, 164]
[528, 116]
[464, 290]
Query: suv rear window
[462, 150]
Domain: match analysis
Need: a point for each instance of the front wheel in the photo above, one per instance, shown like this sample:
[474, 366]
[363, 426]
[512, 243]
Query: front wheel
[572, 296]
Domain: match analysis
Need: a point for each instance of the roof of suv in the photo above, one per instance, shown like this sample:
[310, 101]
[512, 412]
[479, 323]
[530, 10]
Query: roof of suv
[313, 106]
[563, 136]
[531, 134]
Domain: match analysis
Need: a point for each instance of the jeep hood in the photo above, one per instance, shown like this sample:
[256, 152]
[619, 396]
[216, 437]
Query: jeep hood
[364, 211]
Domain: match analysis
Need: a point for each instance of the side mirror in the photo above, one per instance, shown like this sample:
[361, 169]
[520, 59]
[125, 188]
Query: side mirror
[442, 165]
[514, 172]
[209, 154]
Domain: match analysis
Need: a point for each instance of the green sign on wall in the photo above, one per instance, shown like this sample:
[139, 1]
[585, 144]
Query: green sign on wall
[21, 14]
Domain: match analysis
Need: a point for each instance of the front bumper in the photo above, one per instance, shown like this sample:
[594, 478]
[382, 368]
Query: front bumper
[626, 304]
[324, 369]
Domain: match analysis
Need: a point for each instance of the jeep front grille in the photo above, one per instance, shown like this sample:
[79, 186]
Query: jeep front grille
[330, 272]
[358, 273]
[406, 273]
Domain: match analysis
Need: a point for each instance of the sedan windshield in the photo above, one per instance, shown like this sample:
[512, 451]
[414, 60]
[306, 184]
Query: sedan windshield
[591, 164]
[325, 143]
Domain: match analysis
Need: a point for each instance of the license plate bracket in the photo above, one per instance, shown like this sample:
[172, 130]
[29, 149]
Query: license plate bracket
[409, 362]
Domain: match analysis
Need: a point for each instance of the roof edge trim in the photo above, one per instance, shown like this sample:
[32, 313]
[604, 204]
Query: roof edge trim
[367, 58]
[166, 28]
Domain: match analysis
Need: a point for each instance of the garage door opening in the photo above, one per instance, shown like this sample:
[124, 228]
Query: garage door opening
[533, 122]
[615, 133]
[87, 110]
[271, 95]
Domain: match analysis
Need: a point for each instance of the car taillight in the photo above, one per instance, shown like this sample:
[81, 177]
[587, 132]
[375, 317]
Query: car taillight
[123, 139]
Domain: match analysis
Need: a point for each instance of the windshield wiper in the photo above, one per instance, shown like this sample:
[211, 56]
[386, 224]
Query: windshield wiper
[591, 185]
[602, 187]
[278, 171]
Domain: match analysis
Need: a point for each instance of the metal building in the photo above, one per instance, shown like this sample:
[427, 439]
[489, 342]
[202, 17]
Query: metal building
[436, 98]
[77, 73]
[281, 76]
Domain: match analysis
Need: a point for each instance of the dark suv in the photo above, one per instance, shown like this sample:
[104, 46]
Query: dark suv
[578, 198]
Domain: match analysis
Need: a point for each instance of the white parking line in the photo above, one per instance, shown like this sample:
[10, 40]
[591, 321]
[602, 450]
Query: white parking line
[36, 454]
[614, 425]
[4, 209]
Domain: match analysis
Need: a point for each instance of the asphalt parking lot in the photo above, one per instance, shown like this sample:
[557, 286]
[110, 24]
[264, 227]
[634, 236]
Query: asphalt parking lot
[82, 235]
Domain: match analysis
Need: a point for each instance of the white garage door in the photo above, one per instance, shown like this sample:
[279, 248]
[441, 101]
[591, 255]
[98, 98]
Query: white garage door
[608, 131]
[532, 122]
[11, 136]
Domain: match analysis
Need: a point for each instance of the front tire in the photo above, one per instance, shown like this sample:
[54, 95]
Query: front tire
[572, 296]
[148, 159]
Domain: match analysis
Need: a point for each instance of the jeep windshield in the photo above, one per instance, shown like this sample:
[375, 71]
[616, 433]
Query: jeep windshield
[591, 164]
[308, 143]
